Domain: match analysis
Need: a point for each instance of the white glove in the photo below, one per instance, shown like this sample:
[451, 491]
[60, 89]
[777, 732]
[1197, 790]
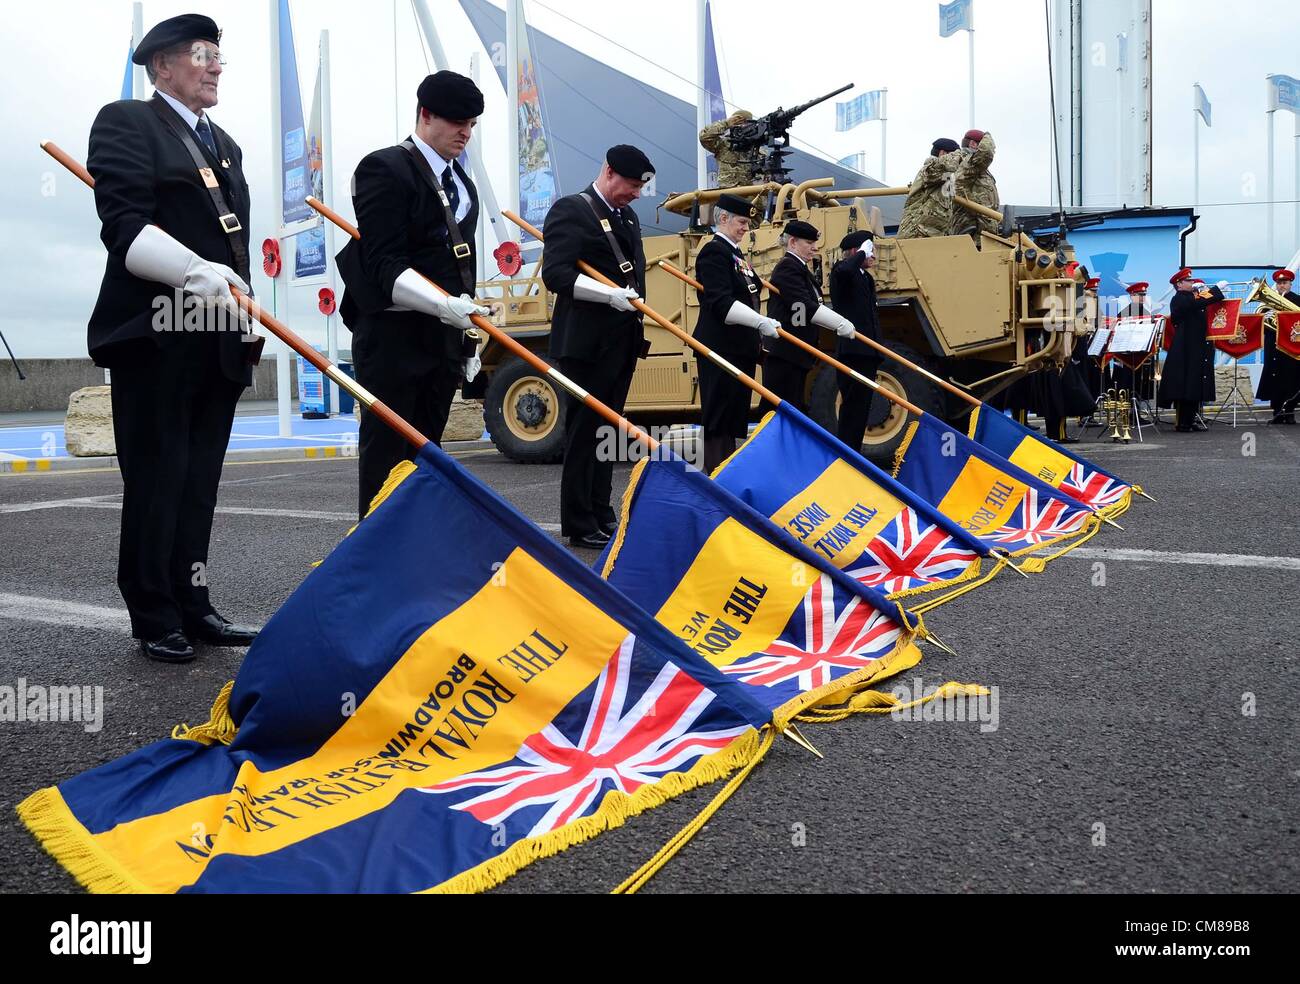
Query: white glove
[824, 317]
[472, 365]
[413, 292]
[619, 298]
[742, 314]
[868, 249]
[154, 255]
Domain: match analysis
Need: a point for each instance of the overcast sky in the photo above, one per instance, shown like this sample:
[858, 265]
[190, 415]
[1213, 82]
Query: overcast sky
[62, 60]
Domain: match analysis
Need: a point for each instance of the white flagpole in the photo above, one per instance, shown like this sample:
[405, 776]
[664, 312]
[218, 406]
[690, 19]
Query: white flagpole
[884, 126]
[702, 94]
[970, 33]
[1296, 117]
[514, 15]
[1269, 236]
[480, 229]
[327, 190]
[137, 32]
[283, 397]
[1196, 167]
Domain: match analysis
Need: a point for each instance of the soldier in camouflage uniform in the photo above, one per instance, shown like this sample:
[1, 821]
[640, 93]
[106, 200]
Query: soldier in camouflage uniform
[733, 167]
[928, 210]
[976, 183]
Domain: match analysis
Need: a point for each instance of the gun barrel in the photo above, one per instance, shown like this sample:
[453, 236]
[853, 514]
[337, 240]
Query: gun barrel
[792, 113]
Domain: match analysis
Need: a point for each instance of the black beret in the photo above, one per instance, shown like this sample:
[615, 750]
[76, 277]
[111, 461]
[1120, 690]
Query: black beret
[855, 239]
[629, 162]
[174, 31]
[735, 205]
[451, 96]
[802, 230]
[943, 143]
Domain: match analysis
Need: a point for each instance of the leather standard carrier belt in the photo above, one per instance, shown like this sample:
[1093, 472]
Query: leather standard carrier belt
[623, 263]
[225, 214]
[459, 248]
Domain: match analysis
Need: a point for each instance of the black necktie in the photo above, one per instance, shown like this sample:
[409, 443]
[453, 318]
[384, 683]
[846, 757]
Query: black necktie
[205, 134]
[449, 187]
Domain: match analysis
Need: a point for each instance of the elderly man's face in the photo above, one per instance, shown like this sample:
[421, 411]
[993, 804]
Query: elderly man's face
[619, 191]
[734, 227]
[802, 248]
[190, 73]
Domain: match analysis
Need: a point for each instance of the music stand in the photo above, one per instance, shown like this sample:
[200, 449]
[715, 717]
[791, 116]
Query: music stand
[1133, 343]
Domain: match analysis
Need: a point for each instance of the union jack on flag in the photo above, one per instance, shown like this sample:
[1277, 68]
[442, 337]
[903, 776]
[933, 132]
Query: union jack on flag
[620, 748]
[1096, 488]
[1040, 519]
[907, 554]
[831, 634]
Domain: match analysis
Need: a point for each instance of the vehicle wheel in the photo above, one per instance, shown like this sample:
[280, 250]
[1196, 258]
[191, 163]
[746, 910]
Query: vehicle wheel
[524, 414]
[885, 432]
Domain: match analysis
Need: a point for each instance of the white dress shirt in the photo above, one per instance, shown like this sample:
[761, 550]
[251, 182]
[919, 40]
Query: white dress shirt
[439, 164]
[185, 113]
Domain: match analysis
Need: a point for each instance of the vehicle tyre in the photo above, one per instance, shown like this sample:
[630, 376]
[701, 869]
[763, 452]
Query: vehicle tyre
[524, 414]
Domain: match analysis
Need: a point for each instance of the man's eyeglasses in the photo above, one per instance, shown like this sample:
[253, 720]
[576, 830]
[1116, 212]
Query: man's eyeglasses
[202, 55]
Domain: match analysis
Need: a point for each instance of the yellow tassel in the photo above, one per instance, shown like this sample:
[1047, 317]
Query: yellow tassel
[1033, 565]
[877, 702]
[625, 514]
[220, 726]
[50, 821]
[902, 448]
[643, 874]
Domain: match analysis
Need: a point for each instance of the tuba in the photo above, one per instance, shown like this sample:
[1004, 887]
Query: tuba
[1271, 302]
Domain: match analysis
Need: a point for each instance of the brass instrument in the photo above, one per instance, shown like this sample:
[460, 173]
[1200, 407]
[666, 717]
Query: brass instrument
[1271, 302]
[1118, 409]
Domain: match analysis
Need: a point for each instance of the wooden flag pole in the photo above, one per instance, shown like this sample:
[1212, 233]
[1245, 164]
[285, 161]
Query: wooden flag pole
[812, 349]
[281, 331]
[515, 348]
[660, 320]
[841, 367]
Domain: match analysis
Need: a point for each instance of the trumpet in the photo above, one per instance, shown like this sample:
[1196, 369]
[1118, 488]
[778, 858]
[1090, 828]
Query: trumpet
[1117, 408]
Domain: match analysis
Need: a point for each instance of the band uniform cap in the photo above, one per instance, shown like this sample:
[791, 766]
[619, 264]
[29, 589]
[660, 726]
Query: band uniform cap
[1093, 284]
[855, 239]
[1138, 288]
[799, 229]
[175, 31]
[450, 95]
[630, 162]
[735, 205]
[943, 143]
[1184, 274]
[1283, 274]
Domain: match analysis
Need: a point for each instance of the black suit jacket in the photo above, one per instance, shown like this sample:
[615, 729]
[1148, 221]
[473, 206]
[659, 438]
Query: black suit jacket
[718, 268]
[144, 175]
[853, 295]
[1188, 373]
[794, 307]
[402, 224]
[583, 329]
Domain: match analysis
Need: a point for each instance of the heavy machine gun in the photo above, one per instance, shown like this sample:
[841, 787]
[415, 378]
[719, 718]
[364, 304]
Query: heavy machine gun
[766, 140]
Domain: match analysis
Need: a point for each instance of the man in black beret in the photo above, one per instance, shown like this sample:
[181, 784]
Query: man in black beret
[416, 212]
[799, 309]
[730, 323]
[596, 333]
[853, 293]
[174, 206]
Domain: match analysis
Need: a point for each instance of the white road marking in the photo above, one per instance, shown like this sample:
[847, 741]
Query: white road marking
[1199, 559]
[56, 611]
[110, 502]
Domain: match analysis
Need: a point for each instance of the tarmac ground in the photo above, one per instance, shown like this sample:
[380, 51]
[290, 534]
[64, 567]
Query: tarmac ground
[1147, 712]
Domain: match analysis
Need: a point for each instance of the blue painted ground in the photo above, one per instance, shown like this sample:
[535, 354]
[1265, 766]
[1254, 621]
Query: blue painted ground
[250, 433]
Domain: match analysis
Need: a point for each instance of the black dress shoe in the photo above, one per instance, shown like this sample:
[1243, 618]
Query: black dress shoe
[609, 529]
[1200, 427]
[1183, 430]
[590, 541]
[216, 631]
[172, 647]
